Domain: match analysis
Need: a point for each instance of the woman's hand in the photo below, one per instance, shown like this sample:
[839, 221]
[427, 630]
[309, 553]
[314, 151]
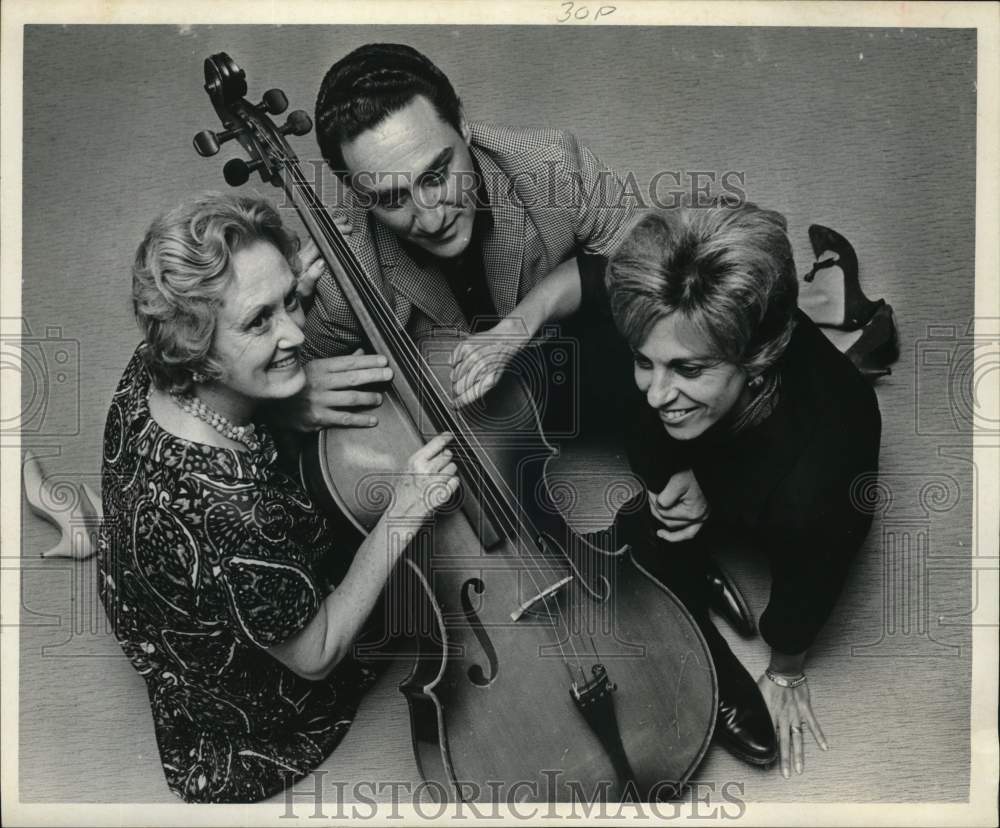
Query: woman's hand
[791, 712]
[477, 363]
[681, 507]
[313, 265]
[428, 482]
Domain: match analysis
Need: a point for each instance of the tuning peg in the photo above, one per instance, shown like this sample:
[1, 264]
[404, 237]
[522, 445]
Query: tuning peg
[237, 171]
[274, 102]
[206, 142]
[298, 123]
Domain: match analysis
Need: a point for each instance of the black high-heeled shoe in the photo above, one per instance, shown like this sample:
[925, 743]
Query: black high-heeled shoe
[878, 345]
[858, 308]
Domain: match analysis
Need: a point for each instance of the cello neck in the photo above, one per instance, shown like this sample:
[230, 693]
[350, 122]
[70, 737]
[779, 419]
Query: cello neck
[415, 384]
[375, 314]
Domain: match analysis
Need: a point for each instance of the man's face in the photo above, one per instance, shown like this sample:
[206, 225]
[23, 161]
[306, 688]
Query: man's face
[416, 174]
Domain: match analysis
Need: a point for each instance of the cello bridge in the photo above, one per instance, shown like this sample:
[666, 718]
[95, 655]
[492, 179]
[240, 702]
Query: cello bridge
[541, 596]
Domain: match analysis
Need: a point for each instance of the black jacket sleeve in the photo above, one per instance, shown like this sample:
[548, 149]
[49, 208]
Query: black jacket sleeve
[813, 527]
[593, 296]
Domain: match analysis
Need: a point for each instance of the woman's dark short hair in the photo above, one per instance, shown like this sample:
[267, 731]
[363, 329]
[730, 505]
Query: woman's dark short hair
[729, 271]
[371, 83]
[182, 269]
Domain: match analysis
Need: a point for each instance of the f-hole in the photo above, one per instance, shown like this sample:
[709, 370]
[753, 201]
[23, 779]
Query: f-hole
[476, 673]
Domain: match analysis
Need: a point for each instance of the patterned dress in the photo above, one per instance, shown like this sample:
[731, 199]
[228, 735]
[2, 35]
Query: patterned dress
[206, 556]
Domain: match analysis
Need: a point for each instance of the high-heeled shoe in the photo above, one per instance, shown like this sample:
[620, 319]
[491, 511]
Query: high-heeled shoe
[878, 345]
[73, 508]
[838, 302]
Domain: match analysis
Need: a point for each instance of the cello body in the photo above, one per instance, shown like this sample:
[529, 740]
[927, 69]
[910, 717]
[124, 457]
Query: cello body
[547, 670]
[491, 712]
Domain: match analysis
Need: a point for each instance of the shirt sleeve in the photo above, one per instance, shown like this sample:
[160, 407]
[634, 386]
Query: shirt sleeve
[808, 570]
[604, 208]
[593, 292]
[272, 590]
[816, 531]
[331, 328]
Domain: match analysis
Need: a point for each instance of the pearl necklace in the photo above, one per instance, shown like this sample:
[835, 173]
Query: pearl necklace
[245, 434]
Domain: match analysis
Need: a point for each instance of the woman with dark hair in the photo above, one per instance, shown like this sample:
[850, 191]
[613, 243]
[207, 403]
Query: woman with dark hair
[747, 423]
[225, 586]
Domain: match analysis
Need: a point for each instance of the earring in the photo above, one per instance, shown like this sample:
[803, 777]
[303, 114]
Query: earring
[756, 382]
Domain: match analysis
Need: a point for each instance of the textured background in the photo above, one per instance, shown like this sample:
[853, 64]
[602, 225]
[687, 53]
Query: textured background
[871, 132]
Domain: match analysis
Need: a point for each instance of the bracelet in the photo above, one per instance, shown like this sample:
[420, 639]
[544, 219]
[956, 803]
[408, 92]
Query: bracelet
[783, 681]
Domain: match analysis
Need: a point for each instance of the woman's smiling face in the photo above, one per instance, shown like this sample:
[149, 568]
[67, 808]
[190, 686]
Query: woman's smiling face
[690, 388]
[259, 332]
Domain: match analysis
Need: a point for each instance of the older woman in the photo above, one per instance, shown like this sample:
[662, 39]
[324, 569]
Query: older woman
[225, 587]
[747, 423]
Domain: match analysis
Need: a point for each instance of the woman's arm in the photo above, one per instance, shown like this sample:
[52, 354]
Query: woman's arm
[314, 651]
[816, 529]
[430, 479]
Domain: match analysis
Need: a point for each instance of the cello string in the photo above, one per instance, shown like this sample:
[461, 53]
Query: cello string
[416, 363]
[564, 640]
[406, 349]
[443, 409]
[499, 499]
[455, 421]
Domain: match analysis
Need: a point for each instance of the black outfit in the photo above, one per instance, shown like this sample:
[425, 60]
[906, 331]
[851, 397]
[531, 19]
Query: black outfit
[785, 484]
[466, 276]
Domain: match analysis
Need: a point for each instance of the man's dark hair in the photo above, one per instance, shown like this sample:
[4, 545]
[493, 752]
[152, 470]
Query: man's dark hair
[371, 83]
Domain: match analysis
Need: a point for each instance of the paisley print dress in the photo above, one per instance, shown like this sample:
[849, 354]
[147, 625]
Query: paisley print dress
[206, 556]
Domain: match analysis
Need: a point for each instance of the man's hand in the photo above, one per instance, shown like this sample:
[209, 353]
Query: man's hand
[681, 507]
[312, 266]
[331, 393]
[476, 364]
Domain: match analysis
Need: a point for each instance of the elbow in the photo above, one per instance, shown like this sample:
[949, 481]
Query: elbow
[310, 674]
[316, 650]
[319, 667]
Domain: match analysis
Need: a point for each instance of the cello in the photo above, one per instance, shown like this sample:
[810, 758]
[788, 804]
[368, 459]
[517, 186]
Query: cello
[549, 670]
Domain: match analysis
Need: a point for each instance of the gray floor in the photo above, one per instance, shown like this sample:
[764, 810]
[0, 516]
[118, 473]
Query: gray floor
[870, 132]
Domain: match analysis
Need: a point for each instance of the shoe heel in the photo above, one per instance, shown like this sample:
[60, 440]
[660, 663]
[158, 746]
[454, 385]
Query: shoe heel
[888, 352]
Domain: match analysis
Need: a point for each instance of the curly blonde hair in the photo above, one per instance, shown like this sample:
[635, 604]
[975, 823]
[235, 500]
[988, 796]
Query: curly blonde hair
[181, 271]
